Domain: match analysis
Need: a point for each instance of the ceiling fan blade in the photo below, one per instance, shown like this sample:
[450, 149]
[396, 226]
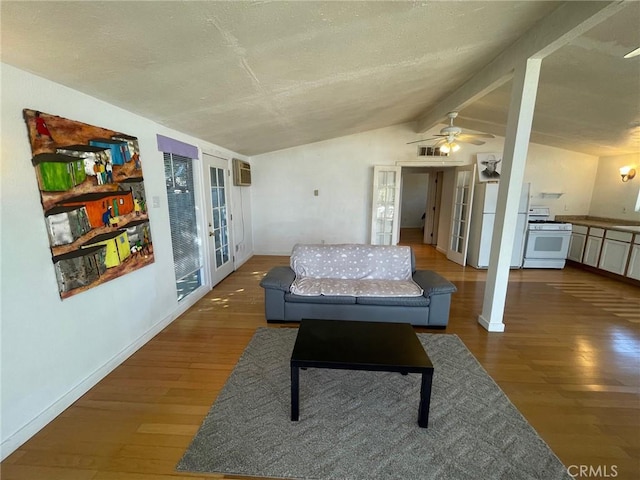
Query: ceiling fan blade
[423, 140]
[472, 141]
[475, 135]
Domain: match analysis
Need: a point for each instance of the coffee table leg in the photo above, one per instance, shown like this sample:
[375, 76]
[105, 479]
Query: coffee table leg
[425, 398]
[295, 396]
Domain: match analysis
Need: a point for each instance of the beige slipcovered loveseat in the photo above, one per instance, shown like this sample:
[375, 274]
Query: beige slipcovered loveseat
[356, 282]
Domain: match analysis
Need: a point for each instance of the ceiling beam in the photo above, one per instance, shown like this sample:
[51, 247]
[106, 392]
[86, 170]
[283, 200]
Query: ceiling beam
[568, 21]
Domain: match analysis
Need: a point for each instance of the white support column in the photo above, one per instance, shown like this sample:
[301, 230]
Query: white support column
[523, 99]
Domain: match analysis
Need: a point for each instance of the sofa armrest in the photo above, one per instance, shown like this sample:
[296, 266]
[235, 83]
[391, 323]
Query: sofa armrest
[432, 283]
[278, 278]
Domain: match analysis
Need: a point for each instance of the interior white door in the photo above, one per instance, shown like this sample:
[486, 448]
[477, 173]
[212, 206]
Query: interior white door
[385, 211]
[461, 213]
[218, 211]
[432, 216]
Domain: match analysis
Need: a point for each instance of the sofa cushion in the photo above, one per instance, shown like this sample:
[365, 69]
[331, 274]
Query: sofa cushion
[307, 286]
[356, 270]
[420, 301]
[341, 300]
[352, 261]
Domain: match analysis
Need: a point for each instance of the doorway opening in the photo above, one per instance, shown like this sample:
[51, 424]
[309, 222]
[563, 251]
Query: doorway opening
[421, 200]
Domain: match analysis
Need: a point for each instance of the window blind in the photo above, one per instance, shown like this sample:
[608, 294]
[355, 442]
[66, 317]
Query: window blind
[182, 215]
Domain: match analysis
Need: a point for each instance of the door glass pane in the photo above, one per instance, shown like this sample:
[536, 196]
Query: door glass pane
[216, 218]
[223, 216]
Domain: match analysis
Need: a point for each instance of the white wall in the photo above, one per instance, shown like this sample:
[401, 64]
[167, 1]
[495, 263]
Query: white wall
[414, 199]
[613, 198]
[52, 351]
[286, 212]
[552, 170]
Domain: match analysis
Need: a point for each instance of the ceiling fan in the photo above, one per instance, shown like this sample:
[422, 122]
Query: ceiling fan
[449, 137]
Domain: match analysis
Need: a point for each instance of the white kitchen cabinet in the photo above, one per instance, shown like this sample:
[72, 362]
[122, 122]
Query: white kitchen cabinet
[615, 251]
[592, 247]
[634, 261]
[577, 243]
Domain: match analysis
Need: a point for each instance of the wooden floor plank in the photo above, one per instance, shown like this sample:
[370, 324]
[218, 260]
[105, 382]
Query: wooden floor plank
[567, 363]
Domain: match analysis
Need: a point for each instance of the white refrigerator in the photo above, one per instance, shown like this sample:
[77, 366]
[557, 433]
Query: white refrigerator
[483, 214]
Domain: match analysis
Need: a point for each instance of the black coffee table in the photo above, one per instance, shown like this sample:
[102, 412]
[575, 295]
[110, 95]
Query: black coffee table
[372, 346]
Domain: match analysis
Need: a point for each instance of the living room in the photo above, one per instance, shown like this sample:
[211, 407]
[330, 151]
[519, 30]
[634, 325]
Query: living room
[53, 351]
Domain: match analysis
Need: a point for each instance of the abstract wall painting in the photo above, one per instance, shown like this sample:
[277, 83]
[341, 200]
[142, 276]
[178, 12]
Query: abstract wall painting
[93, 200]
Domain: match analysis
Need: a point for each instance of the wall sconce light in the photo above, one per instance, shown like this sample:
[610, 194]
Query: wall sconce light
[627, 173]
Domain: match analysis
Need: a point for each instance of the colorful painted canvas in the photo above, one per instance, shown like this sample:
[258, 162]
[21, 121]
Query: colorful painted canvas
[93, 200]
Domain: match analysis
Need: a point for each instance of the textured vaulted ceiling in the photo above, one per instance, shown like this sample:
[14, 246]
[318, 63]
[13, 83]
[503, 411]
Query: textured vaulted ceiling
[261, 76]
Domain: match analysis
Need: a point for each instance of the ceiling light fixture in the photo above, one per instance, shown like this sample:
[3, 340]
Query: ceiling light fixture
[450, 147]
[450, 144]
[633, 53]
[627, 173]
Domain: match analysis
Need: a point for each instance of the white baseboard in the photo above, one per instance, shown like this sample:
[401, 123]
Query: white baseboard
[241, 262]
[490, 327]
[14, 441]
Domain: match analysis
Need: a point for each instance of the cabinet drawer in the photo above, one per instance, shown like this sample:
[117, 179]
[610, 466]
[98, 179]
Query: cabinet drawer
[596, 232]
[620, 236]
[580, 229]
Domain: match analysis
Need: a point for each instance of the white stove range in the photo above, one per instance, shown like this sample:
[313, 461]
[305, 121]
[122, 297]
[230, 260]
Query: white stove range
[548, 225]
[547, 242]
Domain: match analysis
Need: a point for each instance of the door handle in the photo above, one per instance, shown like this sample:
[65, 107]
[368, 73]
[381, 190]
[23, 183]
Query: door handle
[211, 234]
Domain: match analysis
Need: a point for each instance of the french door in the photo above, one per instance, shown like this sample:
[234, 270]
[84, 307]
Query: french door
[218, 217]
[461, 213]
[385, 211]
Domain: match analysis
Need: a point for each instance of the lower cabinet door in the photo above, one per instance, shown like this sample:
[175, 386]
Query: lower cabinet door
[634, 263]
[614, 256]
[592, 251]
[576, 247]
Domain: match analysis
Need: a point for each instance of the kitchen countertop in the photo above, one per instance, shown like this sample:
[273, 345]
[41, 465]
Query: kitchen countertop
[599, 222]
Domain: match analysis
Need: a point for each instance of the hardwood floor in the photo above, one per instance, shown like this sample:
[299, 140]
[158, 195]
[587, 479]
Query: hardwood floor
[569, 360]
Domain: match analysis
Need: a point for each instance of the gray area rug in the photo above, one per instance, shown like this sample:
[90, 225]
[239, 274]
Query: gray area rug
[357, 425]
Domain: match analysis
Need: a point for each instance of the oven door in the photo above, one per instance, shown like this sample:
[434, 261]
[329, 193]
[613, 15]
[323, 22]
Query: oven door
[547, 244]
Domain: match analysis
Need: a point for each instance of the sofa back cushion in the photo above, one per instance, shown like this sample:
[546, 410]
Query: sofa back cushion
[353, 270]
[352, 261]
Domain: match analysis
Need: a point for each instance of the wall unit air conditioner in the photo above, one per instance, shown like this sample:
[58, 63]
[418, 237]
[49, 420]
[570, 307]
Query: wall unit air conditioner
[241, 173]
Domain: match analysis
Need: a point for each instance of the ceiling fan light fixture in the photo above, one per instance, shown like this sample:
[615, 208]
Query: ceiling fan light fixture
[449, 147]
